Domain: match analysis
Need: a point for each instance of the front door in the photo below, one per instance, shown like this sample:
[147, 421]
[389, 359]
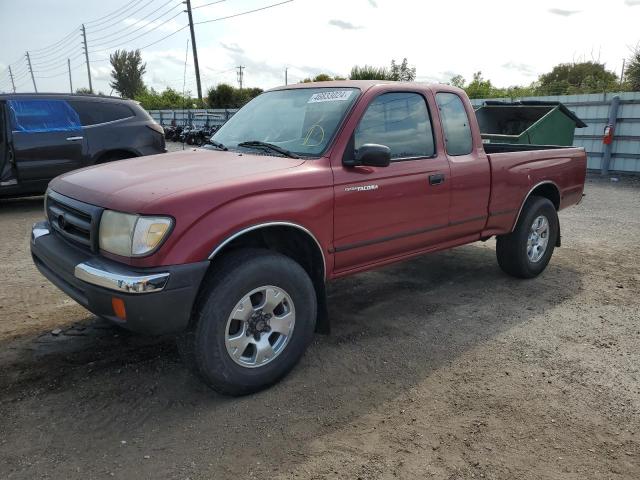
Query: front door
[47, 138]
[383, 212]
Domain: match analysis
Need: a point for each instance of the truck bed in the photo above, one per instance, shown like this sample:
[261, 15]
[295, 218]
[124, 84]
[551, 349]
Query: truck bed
[517, 169]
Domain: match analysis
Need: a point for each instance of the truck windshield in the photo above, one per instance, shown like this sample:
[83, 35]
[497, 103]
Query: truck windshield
[302, 120]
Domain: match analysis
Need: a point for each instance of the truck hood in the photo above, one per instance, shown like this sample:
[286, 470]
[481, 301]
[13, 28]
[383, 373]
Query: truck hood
[134, 185]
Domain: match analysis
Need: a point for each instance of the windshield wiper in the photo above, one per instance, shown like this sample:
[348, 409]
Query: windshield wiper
[270, 146]
[218, 145]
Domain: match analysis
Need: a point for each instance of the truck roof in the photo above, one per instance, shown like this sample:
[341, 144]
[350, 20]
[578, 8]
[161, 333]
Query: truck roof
[366, 84]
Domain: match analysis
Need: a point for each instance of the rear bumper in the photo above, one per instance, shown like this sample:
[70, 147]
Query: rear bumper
[157, 300]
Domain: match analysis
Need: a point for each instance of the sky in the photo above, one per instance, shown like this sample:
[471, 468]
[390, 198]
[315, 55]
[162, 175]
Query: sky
[510, 41]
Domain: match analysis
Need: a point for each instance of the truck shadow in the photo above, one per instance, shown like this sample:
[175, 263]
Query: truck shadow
[391, 329]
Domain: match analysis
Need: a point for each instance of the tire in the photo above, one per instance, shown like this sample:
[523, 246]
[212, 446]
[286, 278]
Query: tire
[219, 324]
[515, 255]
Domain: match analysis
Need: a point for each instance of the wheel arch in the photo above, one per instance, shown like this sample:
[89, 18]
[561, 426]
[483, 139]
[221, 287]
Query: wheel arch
[292, 240]
[546, 189]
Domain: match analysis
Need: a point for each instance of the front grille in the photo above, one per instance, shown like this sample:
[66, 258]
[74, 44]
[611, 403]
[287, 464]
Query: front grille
[73, 220]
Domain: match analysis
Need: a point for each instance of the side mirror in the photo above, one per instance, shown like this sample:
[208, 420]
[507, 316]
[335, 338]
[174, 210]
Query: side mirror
[373, 155]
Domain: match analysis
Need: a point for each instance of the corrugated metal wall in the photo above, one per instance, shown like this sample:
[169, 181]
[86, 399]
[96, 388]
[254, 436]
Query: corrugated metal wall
[593, 109]
[196, 118]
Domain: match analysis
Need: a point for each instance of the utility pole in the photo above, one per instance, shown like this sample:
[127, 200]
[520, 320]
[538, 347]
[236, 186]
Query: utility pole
[195, 50]
[86, 56]
[12, 82]
[240, 76]
[622, 72]
[33, 79]
[286, 80]
[70, 82]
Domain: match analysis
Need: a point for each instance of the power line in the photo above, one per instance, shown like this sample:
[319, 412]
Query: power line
[135, 38]
[166, 36]
[208, 4]
[119, 10]
[120, 19]
[53, 63]
[137, 22]
[56, 44]
[243, 13]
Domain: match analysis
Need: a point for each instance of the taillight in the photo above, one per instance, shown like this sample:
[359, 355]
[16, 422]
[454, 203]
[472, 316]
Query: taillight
[156, 128]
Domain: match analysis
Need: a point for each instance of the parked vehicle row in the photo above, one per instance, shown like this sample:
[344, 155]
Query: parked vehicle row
[231, 247]
[190, 135]
[45, 135]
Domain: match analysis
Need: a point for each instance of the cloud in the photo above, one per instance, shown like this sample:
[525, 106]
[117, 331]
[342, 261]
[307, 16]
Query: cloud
[375, 5]
[344, 25]
[563, 13]
[631, 3]
[232, 47]
[520, 67]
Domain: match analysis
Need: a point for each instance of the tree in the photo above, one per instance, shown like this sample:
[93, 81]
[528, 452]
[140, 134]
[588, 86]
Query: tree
[226, 96]
[169, 98]
[457, 81]
[632, 72]
[321, 77]
[83, 91]
[402, 72]
[481, 88]
[369, 72]
[583, 77]
[127, 71]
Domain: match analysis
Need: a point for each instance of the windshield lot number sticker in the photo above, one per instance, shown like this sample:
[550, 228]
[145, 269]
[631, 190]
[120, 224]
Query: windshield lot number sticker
[333, 96]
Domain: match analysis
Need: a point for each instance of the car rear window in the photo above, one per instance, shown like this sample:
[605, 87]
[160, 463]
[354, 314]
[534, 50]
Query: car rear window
[94, 113]
[40, 115]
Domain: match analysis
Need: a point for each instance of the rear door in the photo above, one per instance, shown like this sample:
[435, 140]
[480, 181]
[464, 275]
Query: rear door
[381, 212]
[47, 138]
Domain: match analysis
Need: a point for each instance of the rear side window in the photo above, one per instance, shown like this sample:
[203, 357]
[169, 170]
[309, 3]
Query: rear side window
[42, 116]
[94, 113]
[455, 124]
[401, 122]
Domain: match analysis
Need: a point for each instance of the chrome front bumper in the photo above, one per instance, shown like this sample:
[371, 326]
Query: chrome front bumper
[110, 277]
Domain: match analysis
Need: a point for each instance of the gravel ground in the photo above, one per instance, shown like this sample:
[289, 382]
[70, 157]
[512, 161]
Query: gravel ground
[442, 367]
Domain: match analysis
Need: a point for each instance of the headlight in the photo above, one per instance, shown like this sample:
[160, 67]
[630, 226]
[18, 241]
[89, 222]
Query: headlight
[132, 235]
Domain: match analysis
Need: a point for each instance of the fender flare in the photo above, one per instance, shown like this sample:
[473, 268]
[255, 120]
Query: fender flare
[258, 226]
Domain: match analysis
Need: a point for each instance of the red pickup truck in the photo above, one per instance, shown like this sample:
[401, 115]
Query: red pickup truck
[231, 246]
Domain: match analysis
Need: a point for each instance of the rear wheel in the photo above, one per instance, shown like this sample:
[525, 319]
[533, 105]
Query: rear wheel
[254, 320]
[525, 252]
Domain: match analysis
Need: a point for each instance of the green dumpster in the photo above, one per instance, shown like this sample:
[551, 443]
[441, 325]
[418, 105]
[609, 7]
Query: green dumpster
[527, 122]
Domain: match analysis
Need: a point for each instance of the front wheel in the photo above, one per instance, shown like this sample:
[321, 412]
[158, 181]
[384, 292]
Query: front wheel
[254, 320]
[525, 252]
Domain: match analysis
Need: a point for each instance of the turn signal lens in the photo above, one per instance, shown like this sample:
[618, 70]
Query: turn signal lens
[118, 308]
[149, 233]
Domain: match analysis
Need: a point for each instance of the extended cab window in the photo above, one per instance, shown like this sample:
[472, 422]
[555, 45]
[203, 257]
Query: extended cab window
[455, 123]
[94, 113]
[401, 122]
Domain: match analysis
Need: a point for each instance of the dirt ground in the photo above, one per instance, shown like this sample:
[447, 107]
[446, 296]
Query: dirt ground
[441, 368]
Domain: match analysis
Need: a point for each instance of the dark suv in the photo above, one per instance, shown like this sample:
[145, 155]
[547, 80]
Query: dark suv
[45, 135]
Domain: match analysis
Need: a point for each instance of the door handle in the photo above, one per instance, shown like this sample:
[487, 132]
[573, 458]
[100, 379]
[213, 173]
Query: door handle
[436, 179]
[74, 139]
